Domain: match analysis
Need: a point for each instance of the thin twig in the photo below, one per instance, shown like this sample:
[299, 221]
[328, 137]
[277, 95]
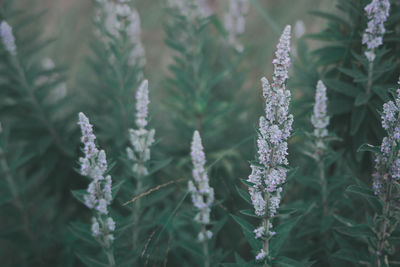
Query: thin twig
[158, 187]
[148, 242]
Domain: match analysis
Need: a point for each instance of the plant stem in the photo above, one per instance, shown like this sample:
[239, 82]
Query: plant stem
[324, 185]
[42, 115]
[13, 189]
[266, 241]
[205, 247]
[110, 257]
[382, 235]
[136, 215]
[370, 72]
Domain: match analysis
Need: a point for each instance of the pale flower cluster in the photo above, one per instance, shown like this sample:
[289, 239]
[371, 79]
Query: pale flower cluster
[59, 91]
[7, 38]
[117, 17]
[202, 193]
[377, 13]
[235, 21]
[388, 160]
[191, 8]
[319, 119]
[141, 139]
[98, 197]
[269, 174]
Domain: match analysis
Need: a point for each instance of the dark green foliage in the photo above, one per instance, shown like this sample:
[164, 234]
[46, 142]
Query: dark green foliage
[344, 70]
[329, 215]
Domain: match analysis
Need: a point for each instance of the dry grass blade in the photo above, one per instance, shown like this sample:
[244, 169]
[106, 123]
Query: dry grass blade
[158, 187]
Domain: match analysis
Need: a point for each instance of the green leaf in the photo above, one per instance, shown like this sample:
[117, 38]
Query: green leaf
[341, 87]
[79, 195]
[357, 117]
[247, 183]
[266, 17]
[83, 232]
[361, 99]
[249, 213]
[247, 230]
[115, 188]
[331, 17]
[357, 231]
[347, 255]
[370, 148]
[90, 261]
[243, 194]
[159, 165]
[367, 193]
[282, 233]
[288, 262]
[361, 190]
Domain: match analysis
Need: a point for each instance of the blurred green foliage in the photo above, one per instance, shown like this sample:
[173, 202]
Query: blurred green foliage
[200, 84]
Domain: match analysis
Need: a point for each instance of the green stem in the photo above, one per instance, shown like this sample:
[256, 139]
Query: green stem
[29, 90]
[110, 257]
[136, 215]
[205, 247]
[324, 185]
[13, 189]
[382, 234]
[266, 241]
[370, 72]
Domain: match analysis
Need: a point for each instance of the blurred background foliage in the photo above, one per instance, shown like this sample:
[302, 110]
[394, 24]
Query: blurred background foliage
[229, 136]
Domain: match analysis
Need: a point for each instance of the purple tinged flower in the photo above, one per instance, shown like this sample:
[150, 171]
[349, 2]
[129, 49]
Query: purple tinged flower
[235, 21]
[95, 227]
[119, 18]
[377, 12]
[110, 224]
[7, 38]
[319, 119]
[141, 139]
[268, 175]
[94, 166]
[387, 162]
[201, 192]
[259, 232]
[261, 255]
[299, 29]
[142, 102]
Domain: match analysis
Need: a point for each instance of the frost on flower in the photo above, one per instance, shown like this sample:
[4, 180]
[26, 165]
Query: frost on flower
[202, 193]
[7, 38]
[319, 119]
[268, 174]
[235, 21]
[94, 165]
[377, 12]
[387, 162]
[118, 18]
[141, 139]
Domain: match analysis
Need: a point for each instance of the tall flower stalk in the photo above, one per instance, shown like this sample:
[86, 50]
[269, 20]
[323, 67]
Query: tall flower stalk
[387, 181]
[269, 172]
[202, 193]
[118, 19]
[377, 12]
[98, 197]
[141, 140]
[7, 38]
[320, 121]
[235, 21]
[191, 8]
